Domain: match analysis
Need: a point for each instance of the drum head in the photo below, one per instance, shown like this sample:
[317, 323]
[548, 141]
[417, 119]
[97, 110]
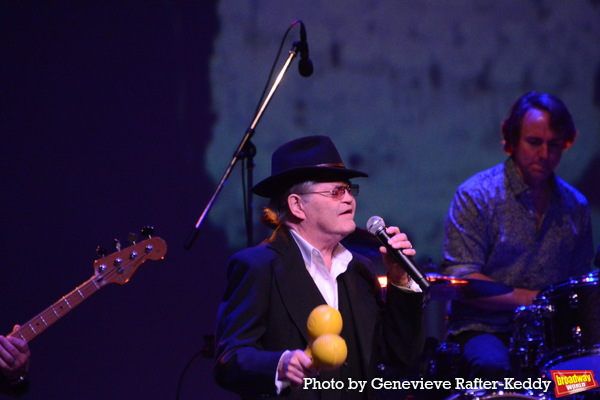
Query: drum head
[560, 289]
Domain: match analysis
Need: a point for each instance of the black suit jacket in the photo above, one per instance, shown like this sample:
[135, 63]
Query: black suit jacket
[266, 304]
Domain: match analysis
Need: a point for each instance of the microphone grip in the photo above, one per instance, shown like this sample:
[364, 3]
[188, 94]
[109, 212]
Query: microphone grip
[404, 261]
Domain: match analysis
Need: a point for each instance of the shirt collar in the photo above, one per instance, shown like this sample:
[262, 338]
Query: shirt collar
[306, 249]
[521, 189]
[516, 182]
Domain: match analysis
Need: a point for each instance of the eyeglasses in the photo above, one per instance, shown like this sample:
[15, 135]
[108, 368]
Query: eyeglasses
[338, 192]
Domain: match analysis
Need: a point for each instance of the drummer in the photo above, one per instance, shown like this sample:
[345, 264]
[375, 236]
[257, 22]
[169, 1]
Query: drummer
[519, 224]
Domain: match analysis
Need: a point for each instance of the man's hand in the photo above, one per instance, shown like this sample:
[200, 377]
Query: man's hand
[294, 367]
[398, 240]
[14, 356]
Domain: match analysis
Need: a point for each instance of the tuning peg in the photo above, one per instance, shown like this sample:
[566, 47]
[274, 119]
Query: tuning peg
[132, 238]
[147, 231]
[101, 251]
[117, 244]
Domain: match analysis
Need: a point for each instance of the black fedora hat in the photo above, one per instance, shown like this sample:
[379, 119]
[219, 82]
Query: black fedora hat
[304, 159]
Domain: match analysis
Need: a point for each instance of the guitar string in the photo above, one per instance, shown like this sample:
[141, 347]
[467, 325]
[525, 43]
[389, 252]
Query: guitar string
[114, 270]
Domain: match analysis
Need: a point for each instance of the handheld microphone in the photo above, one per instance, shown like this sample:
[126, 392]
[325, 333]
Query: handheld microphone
[305, 66]
[376, 226]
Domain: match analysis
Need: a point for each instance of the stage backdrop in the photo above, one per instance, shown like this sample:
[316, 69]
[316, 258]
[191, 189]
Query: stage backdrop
[412, 92]
[116, 115]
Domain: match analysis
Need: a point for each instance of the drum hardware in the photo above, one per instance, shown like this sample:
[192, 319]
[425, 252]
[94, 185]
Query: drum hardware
[576, 331]
[527, 343]
[574, 300]
[443, 363]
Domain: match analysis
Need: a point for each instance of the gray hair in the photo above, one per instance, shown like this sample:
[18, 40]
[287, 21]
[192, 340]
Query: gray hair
[278, 211]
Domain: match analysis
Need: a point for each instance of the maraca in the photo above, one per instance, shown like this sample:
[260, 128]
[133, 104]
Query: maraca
[326, 347]
[329, 351]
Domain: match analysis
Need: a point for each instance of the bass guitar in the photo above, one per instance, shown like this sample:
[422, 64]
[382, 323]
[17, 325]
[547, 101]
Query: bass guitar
[117, 267]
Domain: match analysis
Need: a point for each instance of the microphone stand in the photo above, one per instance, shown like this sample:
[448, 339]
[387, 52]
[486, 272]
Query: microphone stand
[245, 150]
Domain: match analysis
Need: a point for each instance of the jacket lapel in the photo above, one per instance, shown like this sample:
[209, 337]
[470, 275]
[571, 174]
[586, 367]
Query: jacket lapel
[363, 313]
[296, 288]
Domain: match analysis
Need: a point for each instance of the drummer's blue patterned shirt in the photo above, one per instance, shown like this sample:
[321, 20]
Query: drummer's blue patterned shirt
[491, 228]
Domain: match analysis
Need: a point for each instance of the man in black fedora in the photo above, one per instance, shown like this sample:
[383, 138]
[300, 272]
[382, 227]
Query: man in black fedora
[272, 288]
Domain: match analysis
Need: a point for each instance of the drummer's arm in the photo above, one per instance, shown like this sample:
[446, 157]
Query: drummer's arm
[504, 302]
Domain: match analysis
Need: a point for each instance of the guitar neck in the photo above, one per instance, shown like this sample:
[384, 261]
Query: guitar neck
[115, 268]
[32, 328]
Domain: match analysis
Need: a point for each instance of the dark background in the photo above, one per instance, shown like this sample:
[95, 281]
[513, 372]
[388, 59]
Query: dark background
[105, 116]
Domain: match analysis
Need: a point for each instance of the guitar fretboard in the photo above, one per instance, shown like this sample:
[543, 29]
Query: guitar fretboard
[50, 315]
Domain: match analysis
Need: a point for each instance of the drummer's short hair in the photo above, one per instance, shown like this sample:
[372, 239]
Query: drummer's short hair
[561, 121]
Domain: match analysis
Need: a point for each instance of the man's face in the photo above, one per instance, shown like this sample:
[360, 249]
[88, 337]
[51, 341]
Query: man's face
[328, 215]
[539, 149]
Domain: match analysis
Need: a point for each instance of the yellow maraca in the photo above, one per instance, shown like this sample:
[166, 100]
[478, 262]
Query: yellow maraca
[326, 348]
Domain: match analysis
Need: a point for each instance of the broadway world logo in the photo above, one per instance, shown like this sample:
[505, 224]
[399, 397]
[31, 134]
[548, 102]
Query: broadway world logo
[568, 382]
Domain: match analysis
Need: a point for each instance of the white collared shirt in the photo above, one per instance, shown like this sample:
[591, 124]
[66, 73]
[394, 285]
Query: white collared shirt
[326, 280]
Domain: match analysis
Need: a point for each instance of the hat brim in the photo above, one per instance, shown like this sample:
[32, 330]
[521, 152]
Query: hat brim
[277, 184]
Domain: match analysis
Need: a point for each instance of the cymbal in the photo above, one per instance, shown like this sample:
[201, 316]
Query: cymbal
[451, 288]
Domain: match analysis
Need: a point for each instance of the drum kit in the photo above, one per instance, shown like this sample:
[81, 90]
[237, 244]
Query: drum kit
[559, 331]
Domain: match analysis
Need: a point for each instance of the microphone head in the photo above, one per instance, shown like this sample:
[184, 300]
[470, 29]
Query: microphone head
[305, 66]
[375, 224]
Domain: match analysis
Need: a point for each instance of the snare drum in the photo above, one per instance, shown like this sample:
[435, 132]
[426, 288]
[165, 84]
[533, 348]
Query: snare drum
[570, 315]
